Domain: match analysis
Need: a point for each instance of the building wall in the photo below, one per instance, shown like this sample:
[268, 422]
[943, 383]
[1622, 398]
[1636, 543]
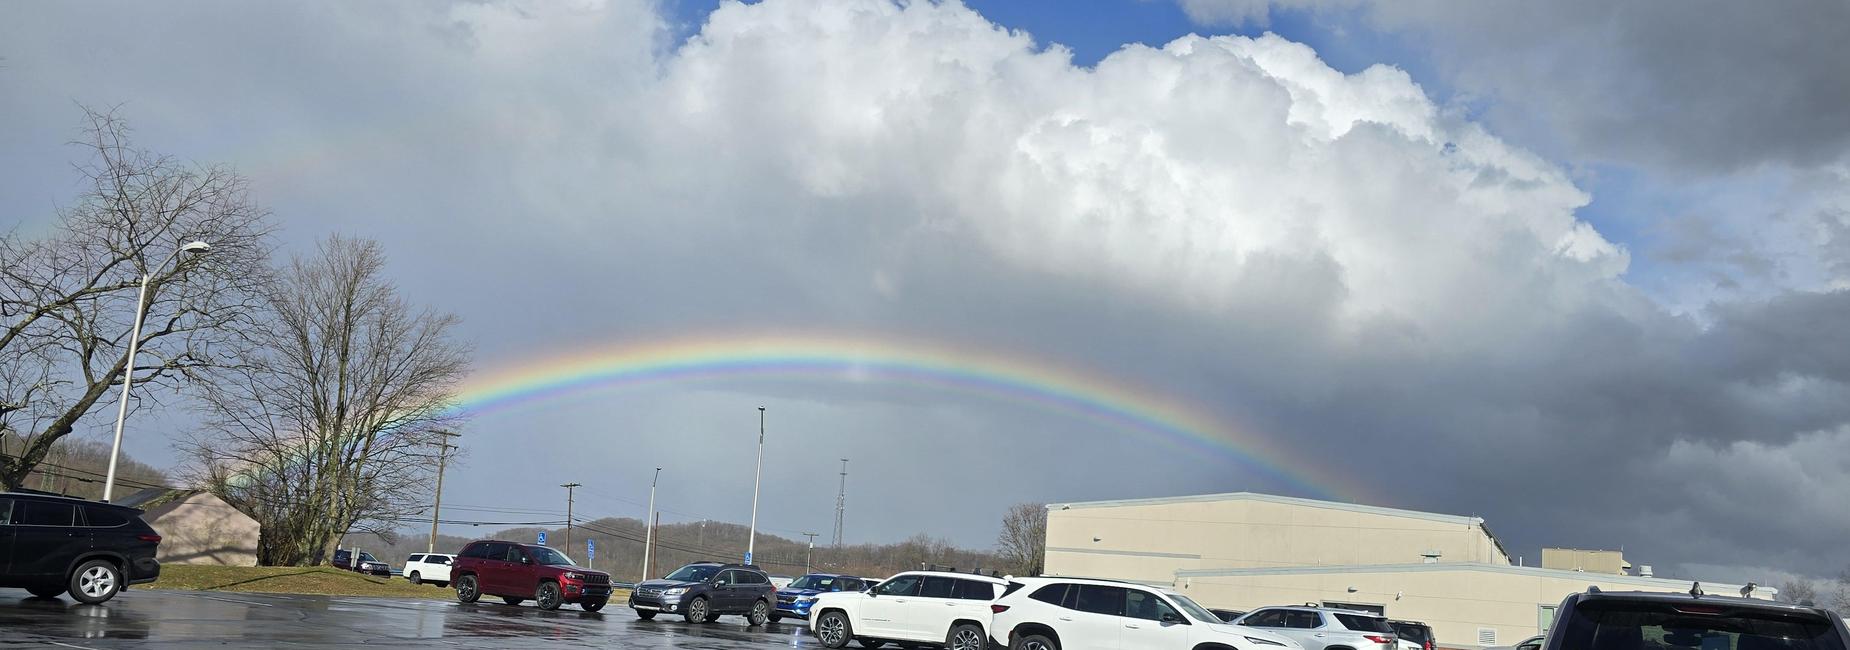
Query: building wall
[1149, 541]
[201, 529]
[1573, 559]
[1457, 600]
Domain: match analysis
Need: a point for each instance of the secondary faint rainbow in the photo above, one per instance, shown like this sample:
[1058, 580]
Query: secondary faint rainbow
[886, 359]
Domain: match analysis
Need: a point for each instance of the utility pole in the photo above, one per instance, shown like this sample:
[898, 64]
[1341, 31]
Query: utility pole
[841, 502]
[648, 537]
[751, 539]
[436, 509]
[656, 522]
[568, 513]
[810, 552]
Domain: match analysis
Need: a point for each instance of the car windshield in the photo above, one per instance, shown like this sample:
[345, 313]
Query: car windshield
[1622, 625]
[549, 557]
[813, 581]
[1414, 633]
[1194, 610]
[367, 557]
[694, 573]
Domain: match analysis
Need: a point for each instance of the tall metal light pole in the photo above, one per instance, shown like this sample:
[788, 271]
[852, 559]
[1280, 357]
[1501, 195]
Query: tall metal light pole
[648, 537]
[436, 508]
[568, 514]
[841, 503]
[751, 539]
[128, 369]
[811, 551]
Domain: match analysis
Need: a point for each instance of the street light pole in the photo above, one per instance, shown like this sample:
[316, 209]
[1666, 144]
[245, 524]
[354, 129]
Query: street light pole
[648, 523]
[810, 552]
[128, 369]
[751, 540]
[436, 508]
[568, 514]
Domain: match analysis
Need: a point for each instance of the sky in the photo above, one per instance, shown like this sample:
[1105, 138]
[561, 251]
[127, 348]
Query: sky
[1577, 267]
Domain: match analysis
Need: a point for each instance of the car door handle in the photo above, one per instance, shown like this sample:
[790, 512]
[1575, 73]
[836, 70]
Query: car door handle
[1131, 626]
[1066, 618]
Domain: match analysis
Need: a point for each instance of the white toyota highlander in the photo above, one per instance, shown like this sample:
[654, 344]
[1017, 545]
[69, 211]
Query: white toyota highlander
[913, 607]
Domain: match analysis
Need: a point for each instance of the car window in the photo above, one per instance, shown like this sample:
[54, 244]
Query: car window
[1266, 618]
[974, 590]
[413, 558]
[437, 559]
[938, 587]
[900, 586]
[104, 517]
[1099, 599]
[1145, 605]
[1414, 633]
[1631, 625]
[1361, 623]
[727, 578]
[6, 512]
[1532, 645]
[45, 513]
[754, 578]
[1302, 620]
[1051, 594]
[513, 553]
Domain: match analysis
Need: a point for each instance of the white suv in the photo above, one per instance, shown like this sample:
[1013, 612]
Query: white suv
[433, 568]
[912, 607]
[1085, 614]
[1323, 628]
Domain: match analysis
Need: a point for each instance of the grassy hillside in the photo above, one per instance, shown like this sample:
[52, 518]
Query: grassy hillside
[291, 580]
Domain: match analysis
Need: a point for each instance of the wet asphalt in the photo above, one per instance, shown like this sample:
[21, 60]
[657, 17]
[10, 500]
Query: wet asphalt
[146, 618]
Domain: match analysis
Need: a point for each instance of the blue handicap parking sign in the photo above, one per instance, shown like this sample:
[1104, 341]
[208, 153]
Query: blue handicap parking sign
[590, 548]
[748, 557]
[542, 538]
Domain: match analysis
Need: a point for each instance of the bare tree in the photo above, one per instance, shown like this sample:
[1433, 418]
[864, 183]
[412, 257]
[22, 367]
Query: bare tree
[1840, 591]
[328, 424]
[1797, 591]
[1022, 544]
[67, 299]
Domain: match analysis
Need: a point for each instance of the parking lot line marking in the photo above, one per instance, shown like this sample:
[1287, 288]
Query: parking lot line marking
[234, 600]
[67, 645]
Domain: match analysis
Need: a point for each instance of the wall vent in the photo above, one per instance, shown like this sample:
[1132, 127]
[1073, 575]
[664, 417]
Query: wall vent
[1487, 636]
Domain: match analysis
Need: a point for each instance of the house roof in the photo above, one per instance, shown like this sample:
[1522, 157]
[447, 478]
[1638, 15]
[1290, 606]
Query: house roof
[1269, 498]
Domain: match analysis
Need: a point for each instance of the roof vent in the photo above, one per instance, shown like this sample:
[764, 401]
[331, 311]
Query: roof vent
[1644, 571]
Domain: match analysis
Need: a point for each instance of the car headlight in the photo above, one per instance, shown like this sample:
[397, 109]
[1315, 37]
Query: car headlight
[574, 575]
[806, 599]
[675, 591]
[1259, 641]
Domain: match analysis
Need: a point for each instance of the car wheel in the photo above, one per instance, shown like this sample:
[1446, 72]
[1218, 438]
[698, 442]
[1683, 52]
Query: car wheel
[592, 605]
[834, 631]
[645, 615]
[1034, 642]
[774, 618]
[46, 591]
[95, 581]
[965, 637]
[466, 590]
[548, 597]
[415, 578]
[441, 585]
[512, 600]
[696, 611]
[760, 614]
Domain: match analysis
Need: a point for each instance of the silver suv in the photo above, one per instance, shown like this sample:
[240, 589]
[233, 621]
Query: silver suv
[1323, 628]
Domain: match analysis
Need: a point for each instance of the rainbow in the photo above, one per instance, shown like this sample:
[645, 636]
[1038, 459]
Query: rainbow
[989, 373]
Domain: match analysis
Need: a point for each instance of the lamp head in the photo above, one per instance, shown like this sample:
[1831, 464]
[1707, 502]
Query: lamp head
[195, 247]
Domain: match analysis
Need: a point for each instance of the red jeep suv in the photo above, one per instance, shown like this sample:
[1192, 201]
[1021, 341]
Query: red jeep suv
[517, 572]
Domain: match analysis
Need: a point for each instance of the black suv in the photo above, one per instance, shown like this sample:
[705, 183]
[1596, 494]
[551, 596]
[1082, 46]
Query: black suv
[704, 591]
[51, 544]
[1632, 620]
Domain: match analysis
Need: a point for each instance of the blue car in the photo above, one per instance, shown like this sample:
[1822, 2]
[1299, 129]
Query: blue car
[796, 599]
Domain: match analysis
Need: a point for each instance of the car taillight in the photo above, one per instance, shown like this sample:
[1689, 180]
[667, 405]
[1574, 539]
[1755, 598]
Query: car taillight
[1378, 638]
[998, 609]
[1428, 646]
[149, 538]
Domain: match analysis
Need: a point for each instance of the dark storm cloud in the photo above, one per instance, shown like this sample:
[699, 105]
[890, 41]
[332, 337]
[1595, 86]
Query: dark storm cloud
[1708, 86]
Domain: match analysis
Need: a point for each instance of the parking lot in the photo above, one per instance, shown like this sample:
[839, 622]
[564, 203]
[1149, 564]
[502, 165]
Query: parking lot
[145, 618]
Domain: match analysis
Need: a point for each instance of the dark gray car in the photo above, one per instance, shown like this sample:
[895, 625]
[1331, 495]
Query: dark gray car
[703, 591]
[1636, 620]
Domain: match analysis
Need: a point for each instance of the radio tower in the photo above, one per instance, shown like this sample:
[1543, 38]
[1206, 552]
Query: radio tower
[841, 501]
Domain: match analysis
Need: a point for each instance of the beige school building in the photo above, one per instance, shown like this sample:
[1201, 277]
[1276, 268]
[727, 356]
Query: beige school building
[1244, 551]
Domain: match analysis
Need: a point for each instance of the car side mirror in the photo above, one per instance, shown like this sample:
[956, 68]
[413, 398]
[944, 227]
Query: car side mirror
[1171, 617]
[526, 560]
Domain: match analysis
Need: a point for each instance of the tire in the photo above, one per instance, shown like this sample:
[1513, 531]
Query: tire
[645, 615]
[512, 601]
[697, 610]
[870, 644]
[467, 590]
[834, 630]
[548, 597]
[1034, 642]
[95, 581]
[760, 614]
[592, 605]
[774, 617]
[966, 637]
[46, 591]
[415, 578]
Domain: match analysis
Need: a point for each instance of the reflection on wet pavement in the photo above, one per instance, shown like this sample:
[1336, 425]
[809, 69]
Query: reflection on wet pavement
[151, 618]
